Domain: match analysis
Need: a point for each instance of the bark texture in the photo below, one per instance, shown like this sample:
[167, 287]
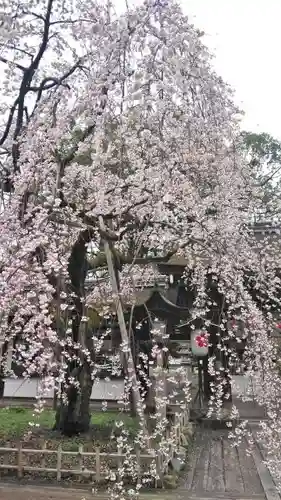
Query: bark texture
[73, 411]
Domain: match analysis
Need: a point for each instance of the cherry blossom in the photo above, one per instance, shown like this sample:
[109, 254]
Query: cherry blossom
[134, 127]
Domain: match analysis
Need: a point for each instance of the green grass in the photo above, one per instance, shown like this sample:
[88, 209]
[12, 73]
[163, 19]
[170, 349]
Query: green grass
[15, 422]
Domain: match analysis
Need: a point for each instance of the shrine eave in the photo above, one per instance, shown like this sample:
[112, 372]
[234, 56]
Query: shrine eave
[155, 302]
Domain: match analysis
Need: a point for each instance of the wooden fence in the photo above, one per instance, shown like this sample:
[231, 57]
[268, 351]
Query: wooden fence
[51, 461]
[97, 472]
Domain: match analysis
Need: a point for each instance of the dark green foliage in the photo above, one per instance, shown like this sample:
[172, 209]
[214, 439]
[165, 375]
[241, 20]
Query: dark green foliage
[264, 155]
[263, 148]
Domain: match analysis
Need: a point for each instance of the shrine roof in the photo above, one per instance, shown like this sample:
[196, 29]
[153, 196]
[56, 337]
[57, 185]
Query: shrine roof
[158, 300]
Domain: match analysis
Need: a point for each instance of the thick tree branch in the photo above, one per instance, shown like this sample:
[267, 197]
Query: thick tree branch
[50, 82]
[72, 21]
[27, 78]
[17, 65]
[9, 122]
[100, 260]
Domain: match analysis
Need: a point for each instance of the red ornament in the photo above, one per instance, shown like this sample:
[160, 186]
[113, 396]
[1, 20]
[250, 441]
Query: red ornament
[201, 340]
[278, 326]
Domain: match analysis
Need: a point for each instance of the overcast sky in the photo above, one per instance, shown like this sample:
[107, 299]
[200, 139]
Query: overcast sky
[245, 36]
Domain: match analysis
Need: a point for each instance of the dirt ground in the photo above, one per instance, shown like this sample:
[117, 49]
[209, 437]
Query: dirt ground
[10, 492]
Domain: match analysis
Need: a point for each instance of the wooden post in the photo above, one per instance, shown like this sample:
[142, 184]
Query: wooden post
[9, 360]
[43, 461]
[122, 325]
[160, 385]
[119, 459]
[98, 465]
[159, 467]
[80, 456]
[20, 464]
[178, 430]
[59, 463]
[138, 460]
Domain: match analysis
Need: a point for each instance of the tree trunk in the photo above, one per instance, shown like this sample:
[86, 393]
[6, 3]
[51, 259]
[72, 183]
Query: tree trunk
[73, 415]
[4, 350]
[73, 412]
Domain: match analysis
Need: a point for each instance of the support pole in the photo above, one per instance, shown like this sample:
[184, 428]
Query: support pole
[137, 401]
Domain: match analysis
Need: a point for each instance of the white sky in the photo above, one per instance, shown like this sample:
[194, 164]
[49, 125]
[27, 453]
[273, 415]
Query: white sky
[245, 36]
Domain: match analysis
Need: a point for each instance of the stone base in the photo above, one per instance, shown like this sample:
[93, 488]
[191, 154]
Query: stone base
[199, 416]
